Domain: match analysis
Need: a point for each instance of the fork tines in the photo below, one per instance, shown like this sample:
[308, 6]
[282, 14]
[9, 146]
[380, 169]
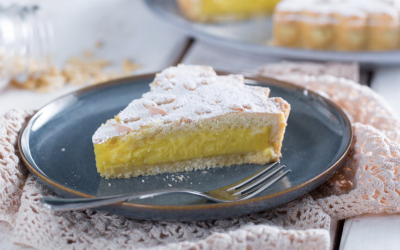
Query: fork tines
[259, 181]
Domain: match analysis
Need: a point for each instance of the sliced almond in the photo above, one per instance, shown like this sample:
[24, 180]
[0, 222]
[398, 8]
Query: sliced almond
[262, 90]
[133, 119]
[122, 128]
[154, 110]
[168, 87]
[179, 103]
[190, 85]
[207, 81]
[200, 112]
[166, 101]
[148, 103]
[236, 107]
[160, 98]
[172, 81]
[176, 107]
[247, 106]
[97, 141]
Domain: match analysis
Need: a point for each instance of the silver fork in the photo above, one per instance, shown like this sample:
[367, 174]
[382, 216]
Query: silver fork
[241, 190]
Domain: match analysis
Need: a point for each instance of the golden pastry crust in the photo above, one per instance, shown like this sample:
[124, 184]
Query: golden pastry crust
[383, 32]
[350, 33]
[287, 29]
[317, 30]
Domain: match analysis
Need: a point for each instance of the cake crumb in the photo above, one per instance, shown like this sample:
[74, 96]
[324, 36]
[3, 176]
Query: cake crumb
[109, 184]
[204, 172]
[88, 53]
[63, 149]
[142, 180]
[180, 178]
[128, 66]
[169, 185]
[99, 44]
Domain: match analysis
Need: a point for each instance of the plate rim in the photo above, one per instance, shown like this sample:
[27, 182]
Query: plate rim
[363, 57]
[259, 79]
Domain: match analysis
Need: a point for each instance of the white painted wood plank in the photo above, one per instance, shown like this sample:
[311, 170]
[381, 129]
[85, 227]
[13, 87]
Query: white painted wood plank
[223, 59]
[386, 82]
[370, 232]
[126, 28]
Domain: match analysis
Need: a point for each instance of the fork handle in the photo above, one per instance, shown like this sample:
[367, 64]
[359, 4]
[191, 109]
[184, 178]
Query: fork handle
[69, 204]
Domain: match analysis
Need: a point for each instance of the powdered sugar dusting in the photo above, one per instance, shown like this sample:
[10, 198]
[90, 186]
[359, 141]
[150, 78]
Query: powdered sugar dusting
[188, 94]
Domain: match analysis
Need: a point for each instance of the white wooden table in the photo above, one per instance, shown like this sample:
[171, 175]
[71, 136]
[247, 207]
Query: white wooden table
[128, 30]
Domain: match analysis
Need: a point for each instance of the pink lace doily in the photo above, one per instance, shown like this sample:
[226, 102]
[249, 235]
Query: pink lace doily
[368, 182]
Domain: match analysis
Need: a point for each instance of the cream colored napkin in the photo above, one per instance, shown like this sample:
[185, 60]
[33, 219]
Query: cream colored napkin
[366, 183]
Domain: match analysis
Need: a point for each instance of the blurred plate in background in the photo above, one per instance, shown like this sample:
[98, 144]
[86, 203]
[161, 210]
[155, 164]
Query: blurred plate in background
[253, 36]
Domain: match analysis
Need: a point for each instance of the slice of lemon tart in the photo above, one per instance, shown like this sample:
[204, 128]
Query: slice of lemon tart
[192, 119]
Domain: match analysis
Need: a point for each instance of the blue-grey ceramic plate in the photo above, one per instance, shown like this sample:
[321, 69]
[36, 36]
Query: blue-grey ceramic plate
[56, 146]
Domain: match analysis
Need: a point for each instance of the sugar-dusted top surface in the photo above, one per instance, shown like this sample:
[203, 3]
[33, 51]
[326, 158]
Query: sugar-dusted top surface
[187, 94]
[360, 8]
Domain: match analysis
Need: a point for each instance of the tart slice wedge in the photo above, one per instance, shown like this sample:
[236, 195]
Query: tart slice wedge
[192, 119]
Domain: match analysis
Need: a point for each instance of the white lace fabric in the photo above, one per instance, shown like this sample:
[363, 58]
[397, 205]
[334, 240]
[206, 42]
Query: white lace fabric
[368, 182]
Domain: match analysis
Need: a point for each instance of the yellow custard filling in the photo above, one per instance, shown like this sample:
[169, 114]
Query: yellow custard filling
[221, 7]
[127, 150]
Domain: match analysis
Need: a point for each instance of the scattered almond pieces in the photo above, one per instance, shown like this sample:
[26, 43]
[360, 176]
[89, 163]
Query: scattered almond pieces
[128, 66]
[76, 71]
[88, 53]
[50, 81]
